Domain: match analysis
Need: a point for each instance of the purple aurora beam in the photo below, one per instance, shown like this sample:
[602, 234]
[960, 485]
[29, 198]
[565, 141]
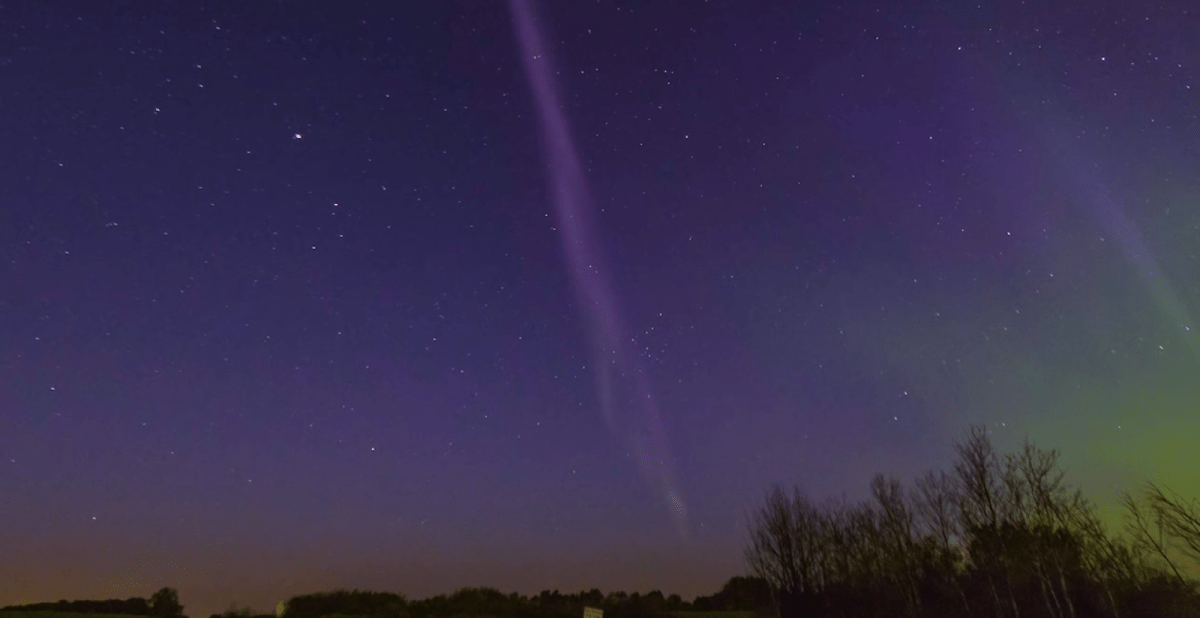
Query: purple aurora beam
[1113, 217]
[626, 397]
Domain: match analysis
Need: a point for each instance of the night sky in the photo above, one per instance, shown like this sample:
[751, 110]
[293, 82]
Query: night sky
[299, 295]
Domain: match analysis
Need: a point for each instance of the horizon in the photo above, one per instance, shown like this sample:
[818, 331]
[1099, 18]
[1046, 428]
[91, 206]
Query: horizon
[301, 296]
[274, 609]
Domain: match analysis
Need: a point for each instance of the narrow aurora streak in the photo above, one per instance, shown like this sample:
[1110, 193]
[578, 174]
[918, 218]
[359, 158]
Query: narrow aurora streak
[1113, 218]
[626, 397]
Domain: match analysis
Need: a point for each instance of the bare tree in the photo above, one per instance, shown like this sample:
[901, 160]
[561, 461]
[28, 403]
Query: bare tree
[983, 511]
[1180, 519]
[1112, 562]
[848, 533]
[1147, 532]
[934, 503]
[786, 545]
[897, 529]
[979, 483]
[1053, 513]
[935, 506]
[1166, 525]
[772, 552]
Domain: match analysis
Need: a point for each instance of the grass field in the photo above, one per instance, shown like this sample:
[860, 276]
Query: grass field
[735, 614]
[62, 615]
[74, 615]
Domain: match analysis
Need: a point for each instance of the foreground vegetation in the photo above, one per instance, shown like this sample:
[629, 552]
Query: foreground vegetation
[741, 597]
[997, 536]
[161, 604]
[49, 614]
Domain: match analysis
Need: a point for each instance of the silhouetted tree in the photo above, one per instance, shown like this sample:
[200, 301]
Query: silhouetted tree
[1179, 520]
[896, 542]
[785, 550]
[982, 509]
[165, 603]
[593, 598]
[136, 606]
[1001, 536]
[935, 504]
[742, 593]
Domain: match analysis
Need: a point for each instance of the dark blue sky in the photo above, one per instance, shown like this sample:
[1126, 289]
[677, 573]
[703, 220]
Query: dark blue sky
[286, 303]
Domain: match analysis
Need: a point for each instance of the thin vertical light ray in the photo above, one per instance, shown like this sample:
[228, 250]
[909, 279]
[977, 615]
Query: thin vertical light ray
[1113, 217]
[626, 397]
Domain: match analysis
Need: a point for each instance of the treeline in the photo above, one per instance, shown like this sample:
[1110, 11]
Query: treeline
[133, 606]
[740, 593]
[241, 612]
[162, 604]
[997, 536]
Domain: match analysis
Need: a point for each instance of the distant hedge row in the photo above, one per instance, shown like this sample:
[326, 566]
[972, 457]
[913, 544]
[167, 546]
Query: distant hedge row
[135, 606]
[162, 604]
[747, 594]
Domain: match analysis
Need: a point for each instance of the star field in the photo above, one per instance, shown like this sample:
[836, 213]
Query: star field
[300, 295]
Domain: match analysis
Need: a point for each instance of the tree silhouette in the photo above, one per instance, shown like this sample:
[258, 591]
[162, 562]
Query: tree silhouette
[165, 603]
[1180, 520]
[1166, 527]
[999, 536]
